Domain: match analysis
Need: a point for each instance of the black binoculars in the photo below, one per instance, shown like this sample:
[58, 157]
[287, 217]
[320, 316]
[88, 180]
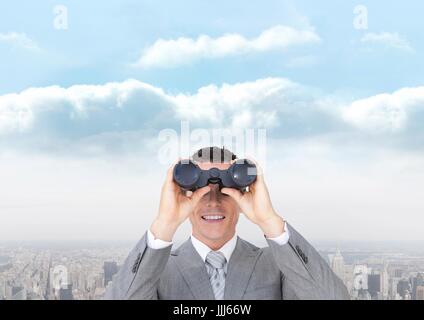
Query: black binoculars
[239, 175]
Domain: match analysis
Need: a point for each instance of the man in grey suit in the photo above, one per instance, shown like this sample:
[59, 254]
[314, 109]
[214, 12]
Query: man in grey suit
[215, 263]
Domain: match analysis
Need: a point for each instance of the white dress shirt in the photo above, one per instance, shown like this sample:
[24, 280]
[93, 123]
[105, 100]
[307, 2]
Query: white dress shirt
[227, 249]
[203, 250]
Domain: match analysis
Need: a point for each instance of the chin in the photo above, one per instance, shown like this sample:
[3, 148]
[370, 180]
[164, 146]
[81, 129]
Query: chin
[214, 235]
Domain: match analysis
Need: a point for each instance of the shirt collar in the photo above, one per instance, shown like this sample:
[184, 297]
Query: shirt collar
[203, 250]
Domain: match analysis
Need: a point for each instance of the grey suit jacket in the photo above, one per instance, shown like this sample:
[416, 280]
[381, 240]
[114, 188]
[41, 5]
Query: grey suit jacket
[291, 271]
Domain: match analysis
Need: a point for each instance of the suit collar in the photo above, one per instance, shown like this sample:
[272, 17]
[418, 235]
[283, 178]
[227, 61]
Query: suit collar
[227, 249]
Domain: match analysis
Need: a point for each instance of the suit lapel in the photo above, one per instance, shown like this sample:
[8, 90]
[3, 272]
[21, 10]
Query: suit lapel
[240, 268]
[194, 271]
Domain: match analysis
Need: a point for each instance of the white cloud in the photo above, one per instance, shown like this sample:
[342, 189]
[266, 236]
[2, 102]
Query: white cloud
[169, 53]
[85, 110]
[387, 112]
[126, 116]
[389, 39]
[244, 104]
[20, 40]
[99, 107]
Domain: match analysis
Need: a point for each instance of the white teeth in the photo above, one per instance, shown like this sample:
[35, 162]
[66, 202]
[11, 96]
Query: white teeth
[213, 217]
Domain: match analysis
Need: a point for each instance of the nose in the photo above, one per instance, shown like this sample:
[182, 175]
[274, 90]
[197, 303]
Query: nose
[214, 195]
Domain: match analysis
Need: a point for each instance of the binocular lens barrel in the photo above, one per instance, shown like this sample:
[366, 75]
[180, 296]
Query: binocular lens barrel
[186, 175]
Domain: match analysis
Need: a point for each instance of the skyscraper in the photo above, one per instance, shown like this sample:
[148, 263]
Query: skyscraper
[65, 293]
[416, 282]
[374, 284]
[419, 294]
[403, 288]
[384, 282]
[360, 283]
[338, 265]
[110, 268]
[398, 273]
[19, 293]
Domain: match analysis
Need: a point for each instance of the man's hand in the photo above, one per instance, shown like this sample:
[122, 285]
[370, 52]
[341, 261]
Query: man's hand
[174, 207]
[257, 207]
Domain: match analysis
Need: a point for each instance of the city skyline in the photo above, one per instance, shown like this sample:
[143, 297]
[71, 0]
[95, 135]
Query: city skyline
[75, 273]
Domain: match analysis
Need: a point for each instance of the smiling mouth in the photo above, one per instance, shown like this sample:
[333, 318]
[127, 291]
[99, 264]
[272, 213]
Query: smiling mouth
[214, 217]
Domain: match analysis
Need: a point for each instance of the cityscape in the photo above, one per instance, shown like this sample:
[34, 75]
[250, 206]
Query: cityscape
[61, 273]
[379, 275]
[82, 272]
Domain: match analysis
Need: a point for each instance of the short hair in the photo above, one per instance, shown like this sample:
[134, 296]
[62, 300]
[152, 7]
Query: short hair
[214, 155]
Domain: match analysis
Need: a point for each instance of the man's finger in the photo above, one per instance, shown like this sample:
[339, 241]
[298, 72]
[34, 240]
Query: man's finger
[198, 194]
[233, 193]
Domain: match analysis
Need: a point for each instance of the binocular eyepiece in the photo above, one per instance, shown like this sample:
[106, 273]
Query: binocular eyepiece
[239, 175]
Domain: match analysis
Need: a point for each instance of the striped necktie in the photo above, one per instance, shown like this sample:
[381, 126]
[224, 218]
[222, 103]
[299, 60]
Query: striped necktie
[215, 263]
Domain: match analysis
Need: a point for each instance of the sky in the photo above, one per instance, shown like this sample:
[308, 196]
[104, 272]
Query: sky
[88, 88]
